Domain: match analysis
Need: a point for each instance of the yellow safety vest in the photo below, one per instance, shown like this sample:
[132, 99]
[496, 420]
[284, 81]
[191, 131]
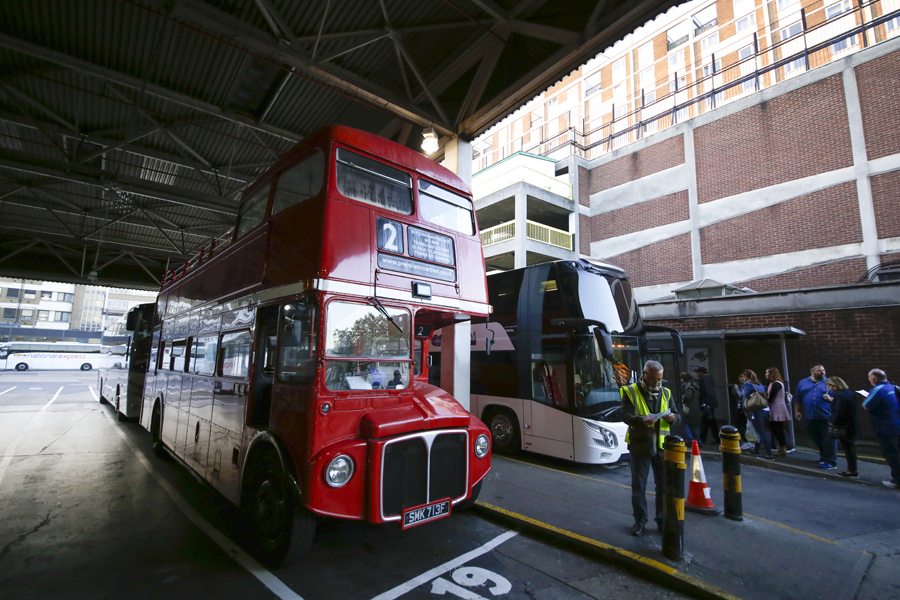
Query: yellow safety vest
[640, 405]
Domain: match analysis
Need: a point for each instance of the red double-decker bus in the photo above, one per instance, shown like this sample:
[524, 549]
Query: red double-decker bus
[287, 369]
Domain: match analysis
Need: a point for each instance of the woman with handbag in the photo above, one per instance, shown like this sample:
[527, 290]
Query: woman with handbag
[842, 425]
[778, 409]
[757, 408]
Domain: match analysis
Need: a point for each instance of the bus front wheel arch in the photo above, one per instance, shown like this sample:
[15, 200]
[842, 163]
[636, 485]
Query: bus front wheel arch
[21, 367]
[281, 531]
[159, 450]
[505, 433]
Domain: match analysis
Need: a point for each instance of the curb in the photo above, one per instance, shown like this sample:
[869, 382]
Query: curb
[751, 461]
[647, 568]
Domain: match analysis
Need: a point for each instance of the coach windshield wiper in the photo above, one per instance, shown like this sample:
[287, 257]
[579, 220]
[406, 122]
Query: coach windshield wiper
[380, 307]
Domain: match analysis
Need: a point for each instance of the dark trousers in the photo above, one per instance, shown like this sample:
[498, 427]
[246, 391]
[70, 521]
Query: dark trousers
[890, 450]
[760, 420]
[849, 448]
[640, 470]
[818, 431]
[777, 428]
[709, 425]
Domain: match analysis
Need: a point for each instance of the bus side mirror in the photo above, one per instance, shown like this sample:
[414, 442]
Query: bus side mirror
[604, 340]
[131, 321]
[429, 360]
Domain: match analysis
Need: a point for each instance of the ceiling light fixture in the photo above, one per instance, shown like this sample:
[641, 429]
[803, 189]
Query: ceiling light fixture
[429, 141]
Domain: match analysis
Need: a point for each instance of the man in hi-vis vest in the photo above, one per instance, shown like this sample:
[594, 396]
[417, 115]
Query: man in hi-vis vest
[645, 437]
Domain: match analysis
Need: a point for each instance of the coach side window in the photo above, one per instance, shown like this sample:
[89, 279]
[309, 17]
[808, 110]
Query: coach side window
[236, 354]
[253, 211]
[300, 182]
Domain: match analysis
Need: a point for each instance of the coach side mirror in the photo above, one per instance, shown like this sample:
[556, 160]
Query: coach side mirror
[604, 340]
[131, 321]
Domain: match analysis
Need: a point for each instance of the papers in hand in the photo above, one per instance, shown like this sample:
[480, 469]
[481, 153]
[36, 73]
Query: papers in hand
[661, 415]
[863, 393]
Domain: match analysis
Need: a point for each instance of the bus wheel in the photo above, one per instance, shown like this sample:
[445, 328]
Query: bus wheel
[155, 427]
[470, 502]
[504, 431]
[86, 367]
[21, 367]
[281, 531]
[119, 415]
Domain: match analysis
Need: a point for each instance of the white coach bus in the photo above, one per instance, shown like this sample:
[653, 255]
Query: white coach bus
[23, 356]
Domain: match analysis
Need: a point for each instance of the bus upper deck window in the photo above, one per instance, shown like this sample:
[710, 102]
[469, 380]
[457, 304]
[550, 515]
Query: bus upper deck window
[372, 182]
[300, 182]
[253, 211]
[445, 208]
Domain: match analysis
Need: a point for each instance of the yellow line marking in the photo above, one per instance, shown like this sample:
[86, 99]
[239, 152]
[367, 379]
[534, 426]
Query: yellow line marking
[522, 462]
[783, 526]
[615, 549]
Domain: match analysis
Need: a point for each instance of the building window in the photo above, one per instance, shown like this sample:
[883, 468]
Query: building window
[12, 292]
[648, 78]
[592, 84]
[747, 68]
[892, 26]
[27, 314]
[9, 313]
[742, 7]
[704, 19]
[618, 70]
[833, 11]
[790, 31]
[709, 41]
[62, 317]
[783, 4]
[46, 295]
[649, 97]
[678, 35]
[645, 56]
[30, 294]
[676, 61]
[43, 315]
[745, 22]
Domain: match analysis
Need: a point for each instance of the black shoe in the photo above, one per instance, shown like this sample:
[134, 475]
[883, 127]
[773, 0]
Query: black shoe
[659, 524]
[637, 530]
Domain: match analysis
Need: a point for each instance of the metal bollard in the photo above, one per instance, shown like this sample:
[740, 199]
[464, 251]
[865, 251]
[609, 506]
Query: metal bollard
[731, 472]
[673, 499]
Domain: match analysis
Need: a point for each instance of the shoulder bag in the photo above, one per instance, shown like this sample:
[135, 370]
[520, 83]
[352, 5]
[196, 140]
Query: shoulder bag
[756, 401]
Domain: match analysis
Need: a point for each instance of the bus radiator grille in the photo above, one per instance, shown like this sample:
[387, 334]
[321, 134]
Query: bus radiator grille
[407, 466]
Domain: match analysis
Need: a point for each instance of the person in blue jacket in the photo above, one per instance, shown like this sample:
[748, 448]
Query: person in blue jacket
[884, 411]
[749, 385]
[818, 411]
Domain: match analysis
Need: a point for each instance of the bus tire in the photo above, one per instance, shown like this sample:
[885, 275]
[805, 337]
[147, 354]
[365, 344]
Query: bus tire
[159, 450]
[281, 531]
[119, 415]
[102, 398]
[86, 367]
[21, 367]
[504, 426]
[470, 501]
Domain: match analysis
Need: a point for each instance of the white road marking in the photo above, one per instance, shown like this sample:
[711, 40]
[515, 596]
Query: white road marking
[9, 390]
[448, 566]
[7, 458]
[245, 560]
[93, 393]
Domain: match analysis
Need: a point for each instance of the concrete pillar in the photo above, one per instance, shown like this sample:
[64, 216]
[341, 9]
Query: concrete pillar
[521, 219]
[455, 341]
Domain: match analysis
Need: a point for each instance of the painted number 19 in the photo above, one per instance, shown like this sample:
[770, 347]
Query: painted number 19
[471, 577]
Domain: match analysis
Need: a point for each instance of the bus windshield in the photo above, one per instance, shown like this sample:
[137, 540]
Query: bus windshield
[607, 299]
[373, 352]
[597, 380]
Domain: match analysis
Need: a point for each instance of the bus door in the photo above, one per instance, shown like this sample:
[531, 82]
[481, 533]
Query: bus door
[169, 379]
[259, 409]
[231, 388]
[550, 418]
[201, 367]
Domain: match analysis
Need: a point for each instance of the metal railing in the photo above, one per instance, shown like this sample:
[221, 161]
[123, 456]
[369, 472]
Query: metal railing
[806, 48]
[499, 233]
[548, 235]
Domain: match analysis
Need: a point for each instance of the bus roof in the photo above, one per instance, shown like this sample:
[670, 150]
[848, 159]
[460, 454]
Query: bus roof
[372, 144]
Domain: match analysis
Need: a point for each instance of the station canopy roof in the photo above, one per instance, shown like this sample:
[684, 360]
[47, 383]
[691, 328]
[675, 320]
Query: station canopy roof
[129, 128]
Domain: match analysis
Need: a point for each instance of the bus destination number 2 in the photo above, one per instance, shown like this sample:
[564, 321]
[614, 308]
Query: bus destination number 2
[390, 235]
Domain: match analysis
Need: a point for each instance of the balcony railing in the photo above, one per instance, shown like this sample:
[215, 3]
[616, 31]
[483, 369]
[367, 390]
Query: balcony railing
[499, 233]
[548, 235]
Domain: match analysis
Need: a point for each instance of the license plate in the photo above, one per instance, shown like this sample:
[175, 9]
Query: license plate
[425, 513]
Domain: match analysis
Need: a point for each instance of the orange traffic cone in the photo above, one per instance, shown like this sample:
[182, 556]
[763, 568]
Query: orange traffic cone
[698, 499]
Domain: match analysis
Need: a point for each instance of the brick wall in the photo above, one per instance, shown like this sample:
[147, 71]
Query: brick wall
[824, 218]
[662, 262]
[879, 99]
[658, 157]
[886, 198]
[585, 234]
[795, 135]
[637, 217]
[834, 273]
[584, 186]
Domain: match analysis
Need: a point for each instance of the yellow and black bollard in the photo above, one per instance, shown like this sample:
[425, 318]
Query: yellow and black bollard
[731, 472]
[673, 499]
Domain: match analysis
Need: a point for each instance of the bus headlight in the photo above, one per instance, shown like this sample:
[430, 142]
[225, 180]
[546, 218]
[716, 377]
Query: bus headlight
[482, 445]
[607, 437]
[339, 471]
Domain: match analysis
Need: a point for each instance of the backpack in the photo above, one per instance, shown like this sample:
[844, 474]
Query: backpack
[756, 401]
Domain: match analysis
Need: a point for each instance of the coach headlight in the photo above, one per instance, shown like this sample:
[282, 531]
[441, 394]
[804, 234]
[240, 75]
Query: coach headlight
[482, 445]
[607, 437]
[339, 471]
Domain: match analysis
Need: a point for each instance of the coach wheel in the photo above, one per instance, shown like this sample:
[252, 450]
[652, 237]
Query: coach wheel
[282, 531]
[504, 431]
[86, 367]
[155, 426]
[119, 415]
[21, 367]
